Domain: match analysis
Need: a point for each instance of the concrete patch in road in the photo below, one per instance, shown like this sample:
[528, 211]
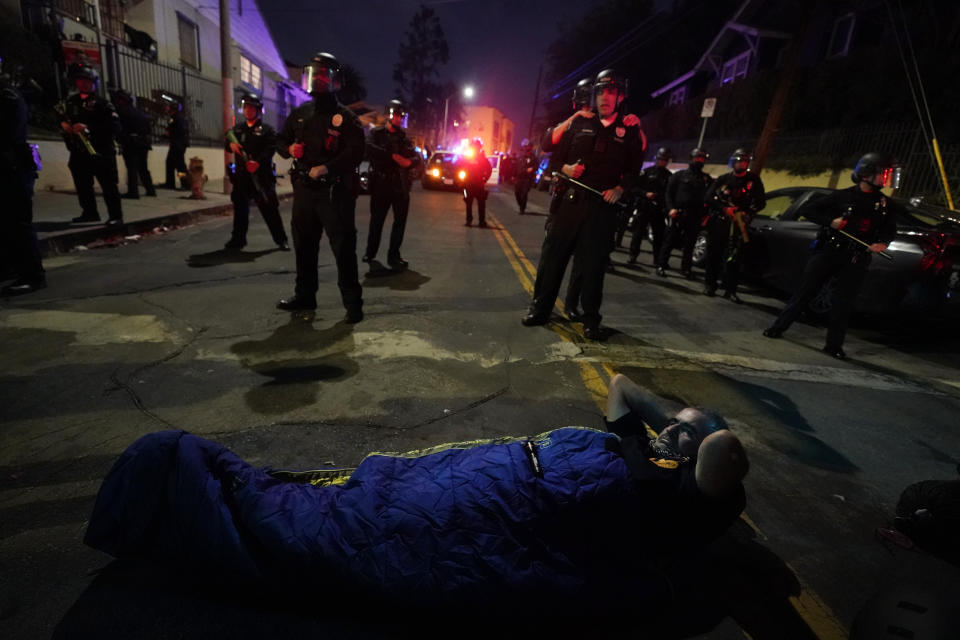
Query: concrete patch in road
[93, 328]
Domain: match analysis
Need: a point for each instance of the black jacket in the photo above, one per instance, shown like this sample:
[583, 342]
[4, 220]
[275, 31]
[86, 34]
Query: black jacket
[687, 190]
[385, 174]
[524, 162]
[259, 143]
[101, 120]
[136, 130]
[745, 193]
[653, 180]
[612, 155]
[871, 217]
[178, 130]
[331, 134]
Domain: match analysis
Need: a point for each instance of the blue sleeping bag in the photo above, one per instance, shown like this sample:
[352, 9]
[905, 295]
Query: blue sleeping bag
[552, 515]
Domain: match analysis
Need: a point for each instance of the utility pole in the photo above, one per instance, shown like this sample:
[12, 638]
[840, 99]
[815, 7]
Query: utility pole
[772, 124]
[227, 80]
[536, 98]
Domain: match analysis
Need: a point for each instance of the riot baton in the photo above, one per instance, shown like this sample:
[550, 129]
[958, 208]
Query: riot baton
[577, 183]
[858, 240]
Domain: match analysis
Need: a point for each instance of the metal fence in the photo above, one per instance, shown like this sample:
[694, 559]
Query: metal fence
[202, 96]
[813, 152]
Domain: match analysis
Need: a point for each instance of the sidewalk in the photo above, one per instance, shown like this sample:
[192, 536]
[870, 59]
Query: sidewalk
[53, 210]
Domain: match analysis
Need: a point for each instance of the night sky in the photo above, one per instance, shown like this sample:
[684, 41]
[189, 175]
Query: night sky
[495, 45]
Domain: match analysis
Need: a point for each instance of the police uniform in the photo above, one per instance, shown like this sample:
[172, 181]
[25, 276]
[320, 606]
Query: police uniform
[524, 171]
[389, 187]
[478, 171]
[685, 192]
[584, 225]
[17, 176]
[726, 242]
[135, 137]
[650, 211]
[178, 137]
[259, 143]
[870, 217]
[333, 137]
[103, 126]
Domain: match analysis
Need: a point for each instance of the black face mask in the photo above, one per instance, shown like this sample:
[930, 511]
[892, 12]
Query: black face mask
[697, 166]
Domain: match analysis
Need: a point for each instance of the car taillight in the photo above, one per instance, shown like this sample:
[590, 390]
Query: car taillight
[462, 175]
[934, 248]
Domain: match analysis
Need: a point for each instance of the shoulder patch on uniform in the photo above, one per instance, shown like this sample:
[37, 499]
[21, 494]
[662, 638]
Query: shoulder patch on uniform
[665, 464]
[621, 131]
[337, 120]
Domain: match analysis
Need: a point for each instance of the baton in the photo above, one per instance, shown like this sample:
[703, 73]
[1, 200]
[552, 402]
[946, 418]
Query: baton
[577, 183]
[856, 239]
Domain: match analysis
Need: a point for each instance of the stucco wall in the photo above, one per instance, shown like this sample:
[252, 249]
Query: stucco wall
[56, 175]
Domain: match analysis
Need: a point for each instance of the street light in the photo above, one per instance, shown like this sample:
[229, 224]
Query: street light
[467, 93]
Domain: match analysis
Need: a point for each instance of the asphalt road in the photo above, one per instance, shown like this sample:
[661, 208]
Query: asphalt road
[173, 332]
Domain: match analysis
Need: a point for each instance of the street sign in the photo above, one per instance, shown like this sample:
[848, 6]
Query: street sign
[708, 106]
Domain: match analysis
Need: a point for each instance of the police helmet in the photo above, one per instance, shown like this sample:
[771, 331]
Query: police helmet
[81, 70]
[396, 107]
[252, 99]
[699, 153]
[740, 155]
[581, 94]
[879, 168]
[122, 97]
[664, 153]
[526, 145]
[610, 78]
[322, 65]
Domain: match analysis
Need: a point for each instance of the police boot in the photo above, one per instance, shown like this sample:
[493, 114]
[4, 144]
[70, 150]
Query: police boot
[354, 315]
[397, 263]
[297, 303]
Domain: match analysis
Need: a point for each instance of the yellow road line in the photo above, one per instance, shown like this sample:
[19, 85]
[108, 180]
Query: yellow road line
[819, 618]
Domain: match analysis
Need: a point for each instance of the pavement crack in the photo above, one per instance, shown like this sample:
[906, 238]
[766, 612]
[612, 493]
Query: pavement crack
[138, 403]
[473, 405]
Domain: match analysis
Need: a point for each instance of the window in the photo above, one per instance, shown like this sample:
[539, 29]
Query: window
[735, 68]
[189, 42]
[842, 36]
[678, 96]
[249, 72]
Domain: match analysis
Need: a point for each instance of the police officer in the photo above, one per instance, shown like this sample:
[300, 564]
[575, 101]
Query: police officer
[477, 170]
[326, 141]
[18, 172]
[525, 166]
[90, 128]
[135, 135]
[605, 154]
[734, 198]
[651, 187]
[863, 212]
[392, 158]
[253, 143]
[685, 198]
[178, 138]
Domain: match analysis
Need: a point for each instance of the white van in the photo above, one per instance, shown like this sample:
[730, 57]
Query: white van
[494, 161]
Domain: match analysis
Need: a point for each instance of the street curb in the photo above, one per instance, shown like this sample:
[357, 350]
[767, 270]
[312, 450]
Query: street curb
[63, 242]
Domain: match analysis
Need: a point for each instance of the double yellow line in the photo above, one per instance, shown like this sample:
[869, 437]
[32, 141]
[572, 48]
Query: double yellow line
[596, 377]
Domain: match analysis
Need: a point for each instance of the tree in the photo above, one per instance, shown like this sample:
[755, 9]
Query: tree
[354, 88]
[421, 54]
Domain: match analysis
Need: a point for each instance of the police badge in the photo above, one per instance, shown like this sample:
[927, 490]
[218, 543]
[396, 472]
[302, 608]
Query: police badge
[621, 132]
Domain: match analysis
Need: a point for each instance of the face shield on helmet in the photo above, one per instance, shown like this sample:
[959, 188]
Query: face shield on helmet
[582, 94]
[251, 100]
[877, 170]
[740, 161]
[395, 108]
[321, 74]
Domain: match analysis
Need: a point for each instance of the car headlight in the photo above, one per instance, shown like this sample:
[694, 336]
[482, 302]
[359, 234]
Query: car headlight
[435, 173]
[462, 175]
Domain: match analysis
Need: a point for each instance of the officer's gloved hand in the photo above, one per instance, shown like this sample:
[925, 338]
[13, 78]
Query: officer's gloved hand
[236, 147]
[838, 223]
[573, 170]
[402, 161]
[296, 150]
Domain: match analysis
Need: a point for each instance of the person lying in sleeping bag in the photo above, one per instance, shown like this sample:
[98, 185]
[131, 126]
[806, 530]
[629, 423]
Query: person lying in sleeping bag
[563, 516]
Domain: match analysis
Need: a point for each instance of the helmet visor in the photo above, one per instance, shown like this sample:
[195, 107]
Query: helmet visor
[318, 78]
[888, 177]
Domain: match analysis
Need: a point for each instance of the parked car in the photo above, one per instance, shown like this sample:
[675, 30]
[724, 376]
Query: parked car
[924, 274]
[439, 172]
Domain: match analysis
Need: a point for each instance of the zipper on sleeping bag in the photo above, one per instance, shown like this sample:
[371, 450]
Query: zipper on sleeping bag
[533, 458]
